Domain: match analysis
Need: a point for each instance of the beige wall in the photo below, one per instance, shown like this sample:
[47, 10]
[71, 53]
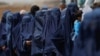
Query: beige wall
[17, 5]
[36, 2]
[97, 0]
[17, 1]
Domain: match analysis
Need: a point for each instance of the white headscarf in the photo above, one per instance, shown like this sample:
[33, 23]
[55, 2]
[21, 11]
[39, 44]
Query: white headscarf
[85, 10]
[87, 7]
[89, 2]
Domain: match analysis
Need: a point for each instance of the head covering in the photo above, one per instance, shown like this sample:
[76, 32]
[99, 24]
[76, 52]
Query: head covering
[44, 7]
[85, 10]
[4, 16]
[72, 8]
[26, 27]
[69, 13]
[17, 18]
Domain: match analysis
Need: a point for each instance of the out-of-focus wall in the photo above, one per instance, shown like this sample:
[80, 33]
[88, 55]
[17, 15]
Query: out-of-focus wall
[17, 5]
[32, 2]
[17, 1]
[68, 1]
[13, 8]
[97, 1]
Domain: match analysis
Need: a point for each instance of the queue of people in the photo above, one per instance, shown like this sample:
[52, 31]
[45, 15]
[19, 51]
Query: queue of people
[66, 31]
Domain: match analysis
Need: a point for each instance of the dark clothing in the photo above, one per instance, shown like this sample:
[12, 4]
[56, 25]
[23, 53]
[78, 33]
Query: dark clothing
[23, 32]
[37, 43]
[68, 18]
[87, 43]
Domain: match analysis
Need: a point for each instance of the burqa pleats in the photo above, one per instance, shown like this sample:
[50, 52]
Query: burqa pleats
[3, 36]
[50, 37]
[37, 43]
[68, 18]
[24, 32]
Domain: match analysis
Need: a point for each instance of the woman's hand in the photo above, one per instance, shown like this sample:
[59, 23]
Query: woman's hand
[28, 42]
[3, 48]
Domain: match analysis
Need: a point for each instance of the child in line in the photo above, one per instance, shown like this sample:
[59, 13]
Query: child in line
[77, 24]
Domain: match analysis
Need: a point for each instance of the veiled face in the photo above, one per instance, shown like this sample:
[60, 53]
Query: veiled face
[73, 8]
[56, 12]
[4, 16]
[26, 19]
[40, 14]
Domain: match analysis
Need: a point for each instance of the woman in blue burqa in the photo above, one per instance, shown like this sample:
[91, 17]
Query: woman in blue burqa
[68, 17]
[52, 34]
[23, 34]
[37, 44]
[4, 31]
[87, 43]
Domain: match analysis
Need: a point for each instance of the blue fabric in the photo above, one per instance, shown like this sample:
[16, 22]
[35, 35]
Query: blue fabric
[17, 18]
[50, 32]
[22, 31]
[4, 16]
[67, 24]
[27, 27]
[77, 26]
[76, 29]
[79, 42]
[87, 44]
[3, 31]
[9, 19]
[37, 44]
[3, 35]
[73, 8]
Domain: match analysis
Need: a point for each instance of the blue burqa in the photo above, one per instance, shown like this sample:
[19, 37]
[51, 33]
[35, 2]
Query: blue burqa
[23, 32]
[52, 34]
[68, 18]
[3, 35]
[37, 44]
[87, 44]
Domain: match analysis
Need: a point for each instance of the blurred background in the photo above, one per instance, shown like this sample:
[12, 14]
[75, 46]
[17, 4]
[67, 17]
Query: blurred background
[17, 5]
